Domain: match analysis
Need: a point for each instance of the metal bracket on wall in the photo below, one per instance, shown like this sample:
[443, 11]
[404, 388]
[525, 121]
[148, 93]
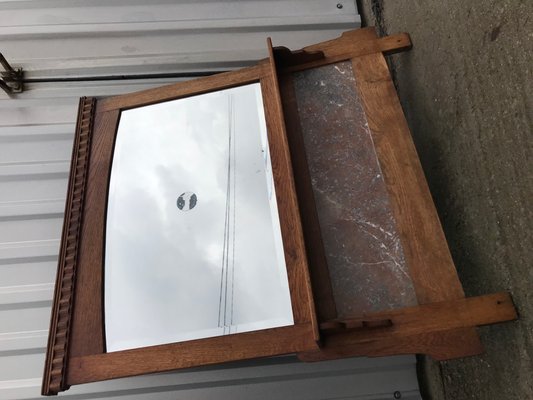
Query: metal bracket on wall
[11, 80]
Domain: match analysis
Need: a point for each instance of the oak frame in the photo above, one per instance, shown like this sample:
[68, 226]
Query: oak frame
[76, 348]
[428, 257]
[441, 325]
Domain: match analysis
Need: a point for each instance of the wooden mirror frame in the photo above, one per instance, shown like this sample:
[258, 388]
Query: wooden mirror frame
[76, 349]
[443, 322]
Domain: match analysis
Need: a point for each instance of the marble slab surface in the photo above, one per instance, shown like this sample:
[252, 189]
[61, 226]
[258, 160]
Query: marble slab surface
[362, 245]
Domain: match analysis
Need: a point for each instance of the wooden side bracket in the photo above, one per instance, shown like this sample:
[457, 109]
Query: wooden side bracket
[354, 324]
[287, 58]
[395, 43]
[410, 329]
[355, 43]
[443, 324]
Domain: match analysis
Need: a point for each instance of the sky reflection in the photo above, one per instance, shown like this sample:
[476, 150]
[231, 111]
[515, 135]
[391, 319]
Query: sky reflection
[175, 273]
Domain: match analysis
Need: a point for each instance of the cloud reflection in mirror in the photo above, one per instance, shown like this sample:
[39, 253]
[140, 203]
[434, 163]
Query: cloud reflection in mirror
[193, 243]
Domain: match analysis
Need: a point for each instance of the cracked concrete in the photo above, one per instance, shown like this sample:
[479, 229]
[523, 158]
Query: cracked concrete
[466, 89]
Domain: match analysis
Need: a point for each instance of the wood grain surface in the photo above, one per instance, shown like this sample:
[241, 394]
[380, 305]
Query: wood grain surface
[429, 260]
[88, 324]
[291, 227]
[61, 321]
[350, 44]
[183, 89]
[412, 324]
[241, 346]
[88, 359]
[443, 323]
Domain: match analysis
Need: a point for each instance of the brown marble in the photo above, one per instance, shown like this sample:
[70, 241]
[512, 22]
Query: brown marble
[363, 249]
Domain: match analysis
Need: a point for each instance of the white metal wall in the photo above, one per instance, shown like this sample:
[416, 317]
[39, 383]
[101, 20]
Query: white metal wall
[73, 37]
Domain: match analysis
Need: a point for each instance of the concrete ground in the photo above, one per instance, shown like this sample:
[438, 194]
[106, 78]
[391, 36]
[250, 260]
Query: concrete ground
[467, 91]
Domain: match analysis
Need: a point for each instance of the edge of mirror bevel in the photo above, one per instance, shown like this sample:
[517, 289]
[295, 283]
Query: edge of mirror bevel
[304, 332]
[104, 233]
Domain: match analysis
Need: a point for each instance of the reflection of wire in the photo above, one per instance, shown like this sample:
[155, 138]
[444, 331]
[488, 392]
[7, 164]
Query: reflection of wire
[234, 213]
[229, 239]
[223, 272]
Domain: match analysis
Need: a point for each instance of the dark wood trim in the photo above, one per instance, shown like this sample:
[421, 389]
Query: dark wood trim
[60, 323]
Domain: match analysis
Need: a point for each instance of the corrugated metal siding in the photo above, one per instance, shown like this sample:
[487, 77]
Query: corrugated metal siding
[55, 38]
[59, 37]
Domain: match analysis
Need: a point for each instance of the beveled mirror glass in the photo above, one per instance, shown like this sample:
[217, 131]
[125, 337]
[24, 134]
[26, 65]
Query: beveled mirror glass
[193, 245]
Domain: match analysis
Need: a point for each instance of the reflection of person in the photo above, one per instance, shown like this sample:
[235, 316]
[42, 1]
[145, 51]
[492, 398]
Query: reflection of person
[181, 202]
[192, 201]
[187, 201]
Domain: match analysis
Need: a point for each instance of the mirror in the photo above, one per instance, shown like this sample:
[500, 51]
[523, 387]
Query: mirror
[182, 244]
[193, 246]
